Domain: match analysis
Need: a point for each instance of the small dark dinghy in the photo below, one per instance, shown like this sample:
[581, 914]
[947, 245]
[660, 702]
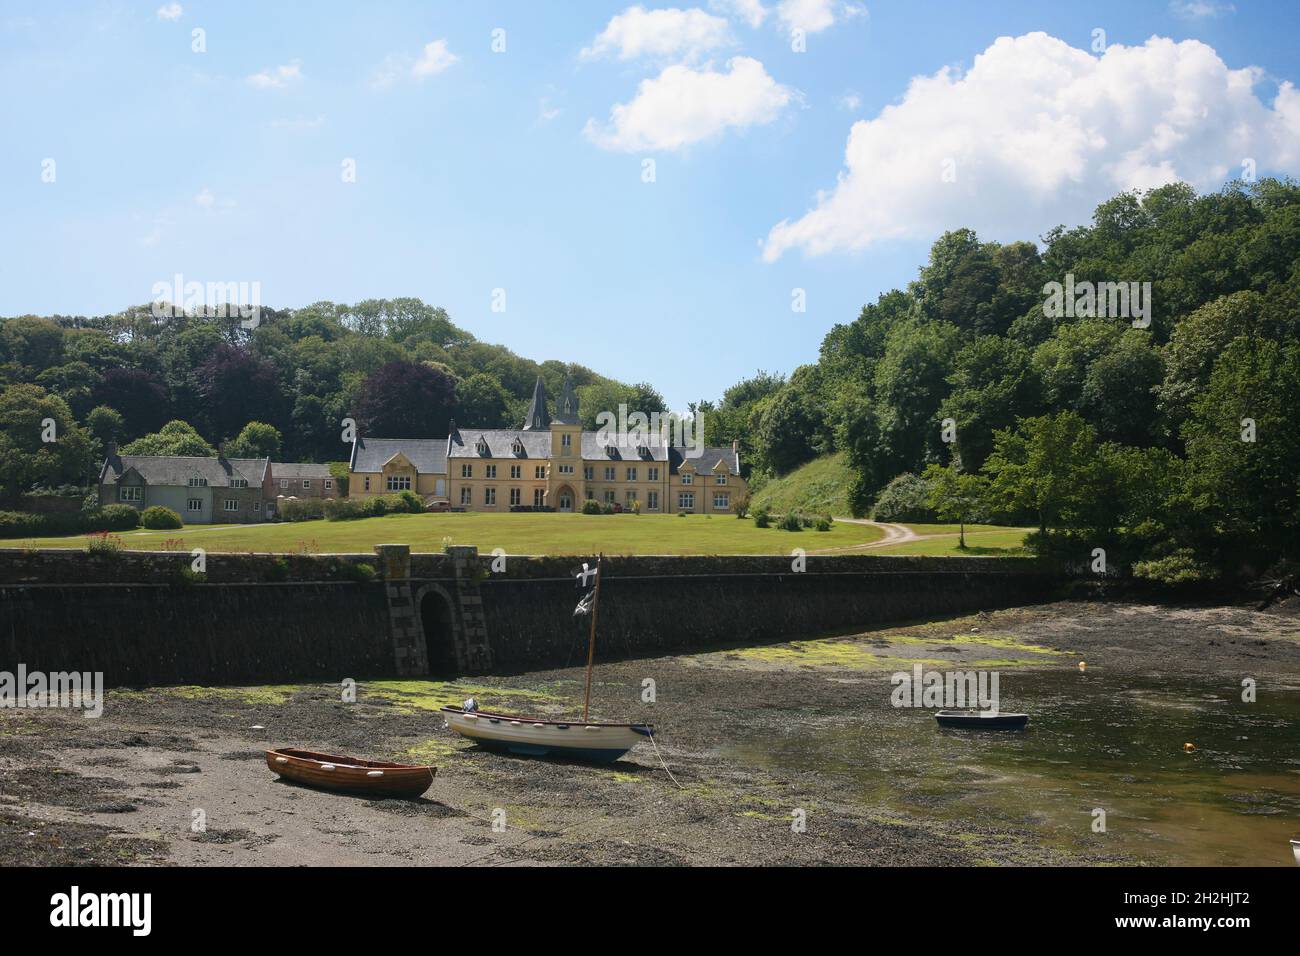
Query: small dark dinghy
[375, 778]
[981, 720]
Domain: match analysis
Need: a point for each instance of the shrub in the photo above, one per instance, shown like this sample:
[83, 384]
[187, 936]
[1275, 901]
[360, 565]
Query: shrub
[114, 518]
[345, 509]
[906, 498]
[159, 518]
[591, 507]
[302, 509]
[741, 506]
[762, 518]
[23, 524]
[409, 502]
[1180, 567]
[104, 545]
[824, 523]
[607, 508]
[361, 573]
[682, 514]
[791, 522]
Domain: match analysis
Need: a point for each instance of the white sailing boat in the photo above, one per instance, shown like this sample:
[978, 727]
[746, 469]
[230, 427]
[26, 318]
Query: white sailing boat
[536, 736]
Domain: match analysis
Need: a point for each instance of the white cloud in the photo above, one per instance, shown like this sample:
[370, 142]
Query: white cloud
[751, 12]
[637, 32]
[170, 11]
[277, 77]
[811, 16]
[1199, 9]
[205, 199]
[433, 60]
[1039, 133]
[849, 100]
[682, 106]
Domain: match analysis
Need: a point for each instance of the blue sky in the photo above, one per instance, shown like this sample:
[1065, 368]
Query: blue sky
[479, 170]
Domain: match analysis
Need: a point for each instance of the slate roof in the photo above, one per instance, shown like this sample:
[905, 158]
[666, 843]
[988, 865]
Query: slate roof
[299, 469]
[594, 450]
[500, 442]
[538, 417]
[178, 470]
[428, 455]
[708, 460]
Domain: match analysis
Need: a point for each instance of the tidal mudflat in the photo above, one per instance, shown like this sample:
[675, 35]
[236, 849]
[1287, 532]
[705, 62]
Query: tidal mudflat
[755, 737]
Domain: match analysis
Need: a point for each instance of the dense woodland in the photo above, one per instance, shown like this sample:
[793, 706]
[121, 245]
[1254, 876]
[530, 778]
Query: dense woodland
[185, 385]
[1100, 434]
[1175, 447]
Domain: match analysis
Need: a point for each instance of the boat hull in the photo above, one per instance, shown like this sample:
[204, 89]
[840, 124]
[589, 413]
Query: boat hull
[981, 720]
[373, 778]
[531, 737]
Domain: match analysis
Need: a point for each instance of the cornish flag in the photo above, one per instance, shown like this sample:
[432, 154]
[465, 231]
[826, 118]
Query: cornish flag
[586, 579]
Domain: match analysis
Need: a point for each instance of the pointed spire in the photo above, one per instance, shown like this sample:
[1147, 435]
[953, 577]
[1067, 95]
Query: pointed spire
[566, 409]
[538, 417]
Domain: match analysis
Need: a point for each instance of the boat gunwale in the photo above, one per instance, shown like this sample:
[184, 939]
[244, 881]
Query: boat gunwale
[542, 720]
[345, 762]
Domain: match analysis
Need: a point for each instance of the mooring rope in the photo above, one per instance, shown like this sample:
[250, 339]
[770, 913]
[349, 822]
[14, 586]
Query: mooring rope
[664, 763]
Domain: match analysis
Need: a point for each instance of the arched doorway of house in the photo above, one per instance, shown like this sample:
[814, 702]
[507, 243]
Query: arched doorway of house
[439, 635]
[564, 498]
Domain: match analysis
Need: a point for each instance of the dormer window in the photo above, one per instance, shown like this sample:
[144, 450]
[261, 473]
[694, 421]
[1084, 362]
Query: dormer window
[642, 451]
[517, 447]
[611, 451]
[482, 446]
[238, 482]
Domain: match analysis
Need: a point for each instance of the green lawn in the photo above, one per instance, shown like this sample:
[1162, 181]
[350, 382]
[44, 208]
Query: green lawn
[1002, 542]
[519, 533]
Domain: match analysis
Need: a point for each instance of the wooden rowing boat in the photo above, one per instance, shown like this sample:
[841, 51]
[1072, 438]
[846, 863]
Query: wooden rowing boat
[350, 774]
[535, 737]
[981, 720]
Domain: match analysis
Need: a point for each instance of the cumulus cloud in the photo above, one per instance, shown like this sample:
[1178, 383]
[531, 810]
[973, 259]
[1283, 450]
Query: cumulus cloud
[276, 77]
[637, 32]
[751, 12]
[435, 58]
[170, 11]
[682, 106]
[1038, 133]
[814, 16]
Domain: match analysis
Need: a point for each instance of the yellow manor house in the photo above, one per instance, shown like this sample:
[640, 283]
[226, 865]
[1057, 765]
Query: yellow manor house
[549, 463]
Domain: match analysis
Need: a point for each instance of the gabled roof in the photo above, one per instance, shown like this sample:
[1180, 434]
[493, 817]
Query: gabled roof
[708, 460]
[177, 470]
[299, 469]
[428, 455]
[500, 443]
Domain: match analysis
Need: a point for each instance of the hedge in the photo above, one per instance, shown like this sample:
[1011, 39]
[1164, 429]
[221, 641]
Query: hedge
[22, 524]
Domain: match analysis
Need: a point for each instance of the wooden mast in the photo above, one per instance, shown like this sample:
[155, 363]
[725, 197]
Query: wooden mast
[591, 643]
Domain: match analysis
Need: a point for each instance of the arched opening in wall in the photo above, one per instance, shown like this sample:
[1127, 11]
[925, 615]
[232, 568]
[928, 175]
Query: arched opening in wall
[439, 635]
